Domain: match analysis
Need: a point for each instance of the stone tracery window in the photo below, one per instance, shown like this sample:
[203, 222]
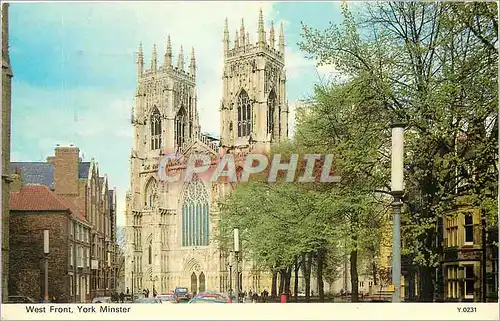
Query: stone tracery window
[271, 105]
[244, 115]
[195, 217]
[155, 129]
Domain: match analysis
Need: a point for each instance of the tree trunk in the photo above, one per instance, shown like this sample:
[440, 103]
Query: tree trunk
[288, 279]
[319, 275]
[282, 281]
[427, 284]
[307, 274]
[273, 284]
[296, 280]
[354, 269]
[374, 273]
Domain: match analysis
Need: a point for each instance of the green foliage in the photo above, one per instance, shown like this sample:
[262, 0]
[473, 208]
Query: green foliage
[433, 65]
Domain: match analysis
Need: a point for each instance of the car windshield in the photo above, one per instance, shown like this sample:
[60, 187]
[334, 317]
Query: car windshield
[181, 290]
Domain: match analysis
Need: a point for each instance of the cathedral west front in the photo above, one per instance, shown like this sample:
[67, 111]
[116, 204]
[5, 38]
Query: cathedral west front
[171, 228]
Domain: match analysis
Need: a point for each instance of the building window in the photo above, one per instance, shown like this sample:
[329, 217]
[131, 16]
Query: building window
[195, 217]
[244, 115]
[70, 285]
[150, 255]
[469, 229]
[71, 257]
[453, 286]
[469, 281]
[150, 193]
[451, 225]
[71, 229]
[155, 130]
[361, 284]
[271, 106]
[181, 122]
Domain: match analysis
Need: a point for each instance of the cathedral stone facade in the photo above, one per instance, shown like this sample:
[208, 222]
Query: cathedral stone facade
[171, 227]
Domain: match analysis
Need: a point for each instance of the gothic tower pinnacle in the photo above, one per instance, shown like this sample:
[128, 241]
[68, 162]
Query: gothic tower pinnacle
[192, 65]
[154, 59]
[140, 61]
[180, 60]
[168, 54]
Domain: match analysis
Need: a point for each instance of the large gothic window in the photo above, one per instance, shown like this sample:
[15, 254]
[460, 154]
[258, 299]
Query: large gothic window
[155, 130]
[244, 115]
[181, 121]
[271, 106]
[150, 193]
[195, 217]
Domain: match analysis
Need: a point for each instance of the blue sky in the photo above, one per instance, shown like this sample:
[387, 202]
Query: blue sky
[75, 73]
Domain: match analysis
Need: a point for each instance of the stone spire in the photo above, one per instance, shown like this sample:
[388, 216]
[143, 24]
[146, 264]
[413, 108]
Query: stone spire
[281, 43]
[271, 35]
[261, 32]
[140, 61]
[180, 60]
[236, 40]
[154, 59]
[168, 54]
[226, 38]
[242, 33]
[248, 38]
[192, 65]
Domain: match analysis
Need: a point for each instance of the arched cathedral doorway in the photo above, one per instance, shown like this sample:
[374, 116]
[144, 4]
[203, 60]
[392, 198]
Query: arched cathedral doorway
[202, 282]
[194, 283]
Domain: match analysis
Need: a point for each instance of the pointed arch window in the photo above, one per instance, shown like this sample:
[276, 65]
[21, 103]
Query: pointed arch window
[195, 215]
[150, 193]
[150, 254]
[181, 122]
[155, 129]
[271, 106]
[244, 115]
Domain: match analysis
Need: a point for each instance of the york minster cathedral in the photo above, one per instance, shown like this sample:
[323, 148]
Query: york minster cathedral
[171, 228]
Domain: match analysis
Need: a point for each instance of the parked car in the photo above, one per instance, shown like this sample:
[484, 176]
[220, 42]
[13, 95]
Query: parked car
[148, 301]
[20, 299]
[181, 293]
[103, 299]
[214, 295]
[167, 298]
[207, 300]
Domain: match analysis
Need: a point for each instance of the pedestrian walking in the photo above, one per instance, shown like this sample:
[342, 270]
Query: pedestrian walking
[122, 297]
[128, 291]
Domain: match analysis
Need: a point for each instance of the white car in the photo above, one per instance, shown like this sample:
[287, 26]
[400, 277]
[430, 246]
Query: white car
[104, 299]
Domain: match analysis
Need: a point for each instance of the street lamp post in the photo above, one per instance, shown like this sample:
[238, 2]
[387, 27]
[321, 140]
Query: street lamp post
[230, 279]
[397, 191]
[236, 234]
[46, 254]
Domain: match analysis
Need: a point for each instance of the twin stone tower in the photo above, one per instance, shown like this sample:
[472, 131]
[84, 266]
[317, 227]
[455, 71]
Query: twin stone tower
[167, 245]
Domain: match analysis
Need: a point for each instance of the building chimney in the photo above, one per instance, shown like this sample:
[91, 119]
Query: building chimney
[66, 162]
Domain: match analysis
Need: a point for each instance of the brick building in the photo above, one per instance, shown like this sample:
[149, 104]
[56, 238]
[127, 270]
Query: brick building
[81, 185]
[33, 209]
[6, 123]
